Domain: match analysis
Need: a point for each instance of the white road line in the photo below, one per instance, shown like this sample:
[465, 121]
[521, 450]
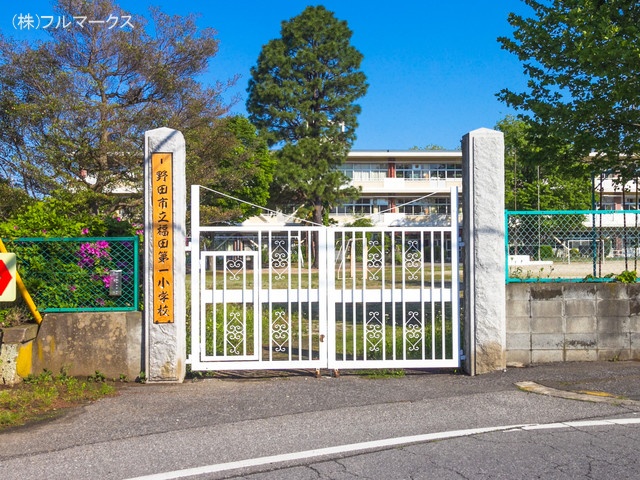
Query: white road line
[584, 423]
[376, 444]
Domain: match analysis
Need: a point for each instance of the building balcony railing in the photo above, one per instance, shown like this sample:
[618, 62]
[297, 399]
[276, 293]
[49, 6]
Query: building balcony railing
[394, 185]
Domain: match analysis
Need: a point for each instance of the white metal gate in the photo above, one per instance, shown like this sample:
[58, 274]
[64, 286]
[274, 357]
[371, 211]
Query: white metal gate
[324, 297]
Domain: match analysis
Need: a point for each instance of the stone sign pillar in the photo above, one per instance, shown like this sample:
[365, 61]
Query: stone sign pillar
[164, 254]
[483, 234]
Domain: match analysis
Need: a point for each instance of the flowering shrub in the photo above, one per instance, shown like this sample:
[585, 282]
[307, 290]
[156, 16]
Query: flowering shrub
[94, 256]
[61, 216]
[89, 253]
[72, 270]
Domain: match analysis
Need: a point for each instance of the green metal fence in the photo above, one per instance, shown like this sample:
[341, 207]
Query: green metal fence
[79, 274]
[574, 245]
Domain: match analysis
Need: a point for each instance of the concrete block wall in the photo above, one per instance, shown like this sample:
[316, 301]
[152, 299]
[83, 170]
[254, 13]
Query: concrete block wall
[565, 322]
[83, 343]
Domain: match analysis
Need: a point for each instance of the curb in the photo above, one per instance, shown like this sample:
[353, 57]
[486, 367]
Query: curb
[596, 397]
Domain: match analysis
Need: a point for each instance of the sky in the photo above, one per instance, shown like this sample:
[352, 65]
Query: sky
[433, 67]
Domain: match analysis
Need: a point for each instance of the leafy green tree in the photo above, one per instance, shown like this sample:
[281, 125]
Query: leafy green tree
[75, 106]
[230, 158]
[61, 214]
[11, 198]
[535, 182]
[431, 147]
[581, 58]
[302, 96]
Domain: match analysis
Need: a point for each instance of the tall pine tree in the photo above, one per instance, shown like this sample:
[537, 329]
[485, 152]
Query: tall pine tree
[302, 96]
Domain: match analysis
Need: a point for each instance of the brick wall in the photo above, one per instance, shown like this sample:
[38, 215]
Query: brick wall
[564, 322]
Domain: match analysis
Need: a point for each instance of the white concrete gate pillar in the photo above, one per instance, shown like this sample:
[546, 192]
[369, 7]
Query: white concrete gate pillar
[483, 234]
[164, 254]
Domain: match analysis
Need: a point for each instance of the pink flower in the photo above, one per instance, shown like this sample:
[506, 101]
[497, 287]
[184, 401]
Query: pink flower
[85, 231]
[90, 252]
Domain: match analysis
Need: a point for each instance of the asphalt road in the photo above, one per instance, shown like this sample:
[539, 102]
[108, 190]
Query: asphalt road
[421, 425]
[568, 451]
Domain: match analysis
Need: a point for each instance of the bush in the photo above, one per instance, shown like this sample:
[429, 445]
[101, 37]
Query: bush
[546, 252]
[63, 215]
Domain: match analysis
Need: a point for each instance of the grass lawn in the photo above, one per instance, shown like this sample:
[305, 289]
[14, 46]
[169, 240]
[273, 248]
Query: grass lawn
[372, 278]
[46, 395]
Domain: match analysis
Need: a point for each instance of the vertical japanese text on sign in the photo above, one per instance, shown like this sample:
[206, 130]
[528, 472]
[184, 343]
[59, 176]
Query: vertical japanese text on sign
[162, 237]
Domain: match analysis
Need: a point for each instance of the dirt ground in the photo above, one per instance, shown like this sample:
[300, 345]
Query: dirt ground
[574, 270]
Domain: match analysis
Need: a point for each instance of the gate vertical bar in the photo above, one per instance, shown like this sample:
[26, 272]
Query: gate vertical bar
[214, 307]
[365, 319]
[354, 304]
[326, 287]
[393, 294]
[443, 300]
[312, 313]
[289, 245]
[309, 275]
[225, 312]
[269, 295]
[455, 277]
[245, 266]
[423, 310]
[257, 298]
[432, 282]
[300, 266]
[195, 273]
[382, 287]
[344, 245]
[404, 293]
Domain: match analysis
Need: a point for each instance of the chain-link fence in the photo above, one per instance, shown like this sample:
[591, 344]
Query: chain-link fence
[588, 245]
[79, 274]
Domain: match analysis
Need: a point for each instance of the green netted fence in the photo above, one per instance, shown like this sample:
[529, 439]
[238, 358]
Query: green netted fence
[575, 245]
[79, 274]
